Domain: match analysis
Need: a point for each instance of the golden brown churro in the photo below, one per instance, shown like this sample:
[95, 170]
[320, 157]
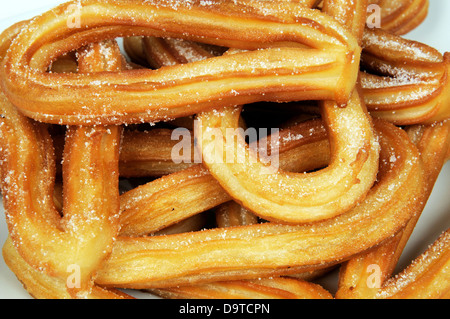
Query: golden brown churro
[85, 234]
[333, 59]
[401, 16]
[433, 142]
[233, 149]
[406, 83]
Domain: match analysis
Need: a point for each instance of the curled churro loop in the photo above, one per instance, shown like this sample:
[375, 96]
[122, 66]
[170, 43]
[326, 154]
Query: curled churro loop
[128, 247]
[293, 197]
[300, 198]
[169, 199]
[405, 82]
[356, 164]
[241, 252]
[204, 84]
[433, 142]
[45, 240]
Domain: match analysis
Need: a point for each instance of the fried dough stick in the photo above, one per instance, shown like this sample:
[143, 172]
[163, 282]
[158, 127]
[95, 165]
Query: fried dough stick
[357, 278]
[388, 253]
[405, 82]
[83, 237]
[297, 40]
[232, 214]
[191, 244]
[289, 197]
[243, 252]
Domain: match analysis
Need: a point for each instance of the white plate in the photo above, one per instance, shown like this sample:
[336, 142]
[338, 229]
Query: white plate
[435, 219]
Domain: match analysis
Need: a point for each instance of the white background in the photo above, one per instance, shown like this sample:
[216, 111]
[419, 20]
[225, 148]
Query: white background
[435, 219]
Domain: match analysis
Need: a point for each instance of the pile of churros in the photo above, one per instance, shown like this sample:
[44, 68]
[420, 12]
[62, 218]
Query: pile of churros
[222, 149]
